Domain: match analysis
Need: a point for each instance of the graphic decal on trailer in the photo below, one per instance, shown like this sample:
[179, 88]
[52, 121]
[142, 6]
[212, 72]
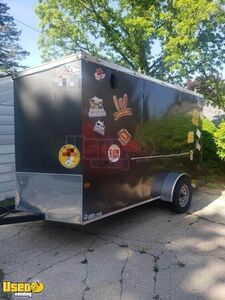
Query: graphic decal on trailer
[121, 106]
[198, 146]
[96, 108]
[67, 75]
[198, 133]
[191, 155]
[72, 68]
[124, 137]
[92, 216]
[99, 74]
[195, 118]
[69, 156]
[99, 127]
[191, 137]
[114, 153]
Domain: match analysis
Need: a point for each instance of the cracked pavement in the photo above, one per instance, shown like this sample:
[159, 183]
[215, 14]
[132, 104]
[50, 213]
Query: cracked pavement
[144, 253]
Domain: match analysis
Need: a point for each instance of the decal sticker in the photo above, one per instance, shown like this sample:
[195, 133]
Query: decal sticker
[72, 68]
[114, 153]
[67, 75]
[198, 146]
[198, 133]
[96, 108]
[191, 155]
[121, 106]
[124, 137]
[69, 156]
[98, 214]
[99, 127]
[191, 137]
[195, 118]
[91, 216]
[99, 74]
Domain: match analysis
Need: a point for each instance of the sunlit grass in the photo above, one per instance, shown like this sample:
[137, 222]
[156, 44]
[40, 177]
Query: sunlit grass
[215, 182]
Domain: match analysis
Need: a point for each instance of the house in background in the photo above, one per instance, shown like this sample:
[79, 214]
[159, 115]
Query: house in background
[7, 148]
[214, 114]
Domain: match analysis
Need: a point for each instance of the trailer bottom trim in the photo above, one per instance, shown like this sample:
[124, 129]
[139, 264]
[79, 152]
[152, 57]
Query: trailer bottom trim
[120, 210]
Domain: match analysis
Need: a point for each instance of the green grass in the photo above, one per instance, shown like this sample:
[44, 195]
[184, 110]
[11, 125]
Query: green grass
[215, 182]
[7, 202]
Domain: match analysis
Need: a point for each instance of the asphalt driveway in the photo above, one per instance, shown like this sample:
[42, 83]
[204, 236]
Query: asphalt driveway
[145, 253]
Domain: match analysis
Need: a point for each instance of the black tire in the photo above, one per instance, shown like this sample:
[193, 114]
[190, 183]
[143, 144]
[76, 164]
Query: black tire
[182, 195]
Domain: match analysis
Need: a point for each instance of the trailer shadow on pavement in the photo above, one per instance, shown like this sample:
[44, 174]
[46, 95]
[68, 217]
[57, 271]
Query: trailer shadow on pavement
[144, 253]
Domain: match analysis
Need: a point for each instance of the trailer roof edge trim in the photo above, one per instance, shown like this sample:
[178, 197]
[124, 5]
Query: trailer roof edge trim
[49, 65]
[82, 55]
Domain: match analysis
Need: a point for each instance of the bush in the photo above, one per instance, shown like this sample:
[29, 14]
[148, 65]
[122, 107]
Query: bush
[219, 137]
[209, 146]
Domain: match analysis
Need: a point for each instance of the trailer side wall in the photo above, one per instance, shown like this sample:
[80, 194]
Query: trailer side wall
[154, 137]
[113, 183]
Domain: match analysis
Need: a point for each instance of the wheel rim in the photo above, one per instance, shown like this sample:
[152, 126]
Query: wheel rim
[184, 195]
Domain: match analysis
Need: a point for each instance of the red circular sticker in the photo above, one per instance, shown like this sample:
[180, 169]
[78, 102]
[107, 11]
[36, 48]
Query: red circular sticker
[114, 153]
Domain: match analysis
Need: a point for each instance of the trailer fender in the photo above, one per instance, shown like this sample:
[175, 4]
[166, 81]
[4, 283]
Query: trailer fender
[168, 185]
[158, 183]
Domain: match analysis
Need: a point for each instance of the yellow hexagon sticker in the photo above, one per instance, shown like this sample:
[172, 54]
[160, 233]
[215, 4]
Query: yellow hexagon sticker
[69, 156]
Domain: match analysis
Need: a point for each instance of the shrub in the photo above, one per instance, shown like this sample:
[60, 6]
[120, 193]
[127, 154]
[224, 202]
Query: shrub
[209, 146]
[219, 137]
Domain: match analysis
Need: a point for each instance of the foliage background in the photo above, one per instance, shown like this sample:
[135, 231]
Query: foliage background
[10, 50]
[213, 162]
[190, 33]
[219, 137]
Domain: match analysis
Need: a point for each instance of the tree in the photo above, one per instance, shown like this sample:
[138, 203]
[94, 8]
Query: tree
[210, 157]
[190, 33]
[10, 50]
[212, 87]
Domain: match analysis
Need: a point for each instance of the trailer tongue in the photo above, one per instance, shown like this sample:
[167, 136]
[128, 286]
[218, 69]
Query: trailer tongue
[93, 139]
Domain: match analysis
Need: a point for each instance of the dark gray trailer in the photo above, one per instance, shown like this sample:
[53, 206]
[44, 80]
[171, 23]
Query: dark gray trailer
[93, 139]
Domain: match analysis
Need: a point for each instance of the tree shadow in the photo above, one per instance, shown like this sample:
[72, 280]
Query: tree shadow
[165, 254]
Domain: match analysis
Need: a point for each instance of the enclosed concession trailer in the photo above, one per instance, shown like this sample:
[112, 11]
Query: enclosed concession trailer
[93, 139]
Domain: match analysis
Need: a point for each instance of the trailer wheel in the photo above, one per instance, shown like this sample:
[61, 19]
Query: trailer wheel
[182, 195]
